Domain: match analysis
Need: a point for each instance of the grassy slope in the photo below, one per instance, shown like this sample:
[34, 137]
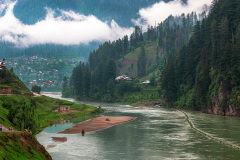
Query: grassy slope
[24, 146]
[150, 50]
[148, 93]
[14, 147]
[15, 83]
[18, 145]
[45, 105]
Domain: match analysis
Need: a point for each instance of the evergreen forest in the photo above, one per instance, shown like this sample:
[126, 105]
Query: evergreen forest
[200, 59]
[95, 80]
[208, 66]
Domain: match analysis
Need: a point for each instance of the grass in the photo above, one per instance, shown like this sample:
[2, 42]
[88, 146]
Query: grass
[132, 57]
[48, 116]
[17, 146]
[148, 93]
[12, 143]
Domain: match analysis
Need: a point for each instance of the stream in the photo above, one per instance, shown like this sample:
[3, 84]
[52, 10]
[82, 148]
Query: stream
[157, 133]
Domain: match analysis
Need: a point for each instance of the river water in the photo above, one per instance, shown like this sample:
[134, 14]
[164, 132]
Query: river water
[157, 133]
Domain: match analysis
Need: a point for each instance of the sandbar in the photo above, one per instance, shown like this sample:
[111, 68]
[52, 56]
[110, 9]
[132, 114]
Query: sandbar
[51, 146]
[96, 124]
[59, 139]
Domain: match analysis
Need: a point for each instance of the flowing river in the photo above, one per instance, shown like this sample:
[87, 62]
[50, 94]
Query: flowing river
[157, 133]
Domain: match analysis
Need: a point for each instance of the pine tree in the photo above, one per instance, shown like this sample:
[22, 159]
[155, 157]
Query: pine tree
[87, 80]
[141, 64]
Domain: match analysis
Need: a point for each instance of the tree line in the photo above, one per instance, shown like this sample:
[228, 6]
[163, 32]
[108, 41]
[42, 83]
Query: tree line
[209, 63]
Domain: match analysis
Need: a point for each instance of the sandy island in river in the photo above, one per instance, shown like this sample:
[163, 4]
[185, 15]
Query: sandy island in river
[96, 124]
[59, 139]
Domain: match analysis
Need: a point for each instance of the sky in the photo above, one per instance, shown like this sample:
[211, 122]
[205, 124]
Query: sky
[71, 28]
[160, 11]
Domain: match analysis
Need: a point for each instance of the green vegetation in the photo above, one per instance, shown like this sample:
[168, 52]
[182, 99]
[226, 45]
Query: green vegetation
[9, 79]
[42, 110]
[36, 88]
[144, 94]
[23, 146]
[33, 113]
[209, 64]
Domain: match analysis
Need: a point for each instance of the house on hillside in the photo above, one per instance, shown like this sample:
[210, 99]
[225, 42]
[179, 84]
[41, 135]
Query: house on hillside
[61, 108]
[1, 65]
[124, 77]
[146, 82]
[35, 57]
[6, 89]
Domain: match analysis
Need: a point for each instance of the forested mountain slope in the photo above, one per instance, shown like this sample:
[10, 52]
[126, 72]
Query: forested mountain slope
[95, 80]
[204, 74]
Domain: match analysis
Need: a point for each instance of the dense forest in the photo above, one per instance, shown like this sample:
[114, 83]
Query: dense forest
[208, 66]
[96, 79]
[9, 50]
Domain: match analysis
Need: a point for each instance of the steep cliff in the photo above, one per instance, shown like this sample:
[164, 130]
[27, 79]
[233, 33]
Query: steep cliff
[21, 145]
[226, 104]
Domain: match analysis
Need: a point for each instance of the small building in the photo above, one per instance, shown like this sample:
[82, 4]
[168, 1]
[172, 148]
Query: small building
[146, 82]
[8, 90]
[2, 64]
[124, 77]
[35, 57]
[61, 108]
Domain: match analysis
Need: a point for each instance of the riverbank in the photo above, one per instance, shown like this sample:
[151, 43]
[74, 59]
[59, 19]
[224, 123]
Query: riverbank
[95, 124]
[45, 109]
[148, 103]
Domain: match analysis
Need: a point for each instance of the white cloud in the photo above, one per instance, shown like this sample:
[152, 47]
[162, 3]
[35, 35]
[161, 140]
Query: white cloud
[67, 29]
[160, 11]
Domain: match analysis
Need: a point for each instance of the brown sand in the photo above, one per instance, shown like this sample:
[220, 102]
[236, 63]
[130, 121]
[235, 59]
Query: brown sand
[51, 146]
[96, 124]
[59, 139]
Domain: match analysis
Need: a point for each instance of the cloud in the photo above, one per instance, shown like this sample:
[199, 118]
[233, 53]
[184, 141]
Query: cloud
[69, 28]
[160, 11]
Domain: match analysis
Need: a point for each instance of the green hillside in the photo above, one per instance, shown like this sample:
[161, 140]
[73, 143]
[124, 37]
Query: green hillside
[9, 79]
[132, 57]
[23, 111]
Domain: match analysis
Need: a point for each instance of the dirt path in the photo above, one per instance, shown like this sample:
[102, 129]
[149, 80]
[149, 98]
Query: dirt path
[36, 95]
[5, 129]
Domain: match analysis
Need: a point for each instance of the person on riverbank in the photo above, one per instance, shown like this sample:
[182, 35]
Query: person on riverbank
[83, 132]
[0, 128]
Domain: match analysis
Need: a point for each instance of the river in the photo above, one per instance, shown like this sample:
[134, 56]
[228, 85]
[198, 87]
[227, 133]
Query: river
[157, 133]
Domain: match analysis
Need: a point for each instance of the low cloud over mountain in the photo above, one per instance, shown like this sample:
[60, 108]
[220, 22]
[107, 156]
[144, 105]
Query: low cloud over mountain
[68, 28]
[160, 11]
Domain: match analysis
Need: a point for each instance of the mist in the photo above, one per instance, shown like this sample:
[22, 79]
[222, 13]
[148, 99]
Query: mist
[160, 11]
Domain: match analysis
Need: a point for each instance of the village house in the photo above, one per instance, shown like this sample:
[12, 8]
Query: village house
[1, 66]
[61, 108]
[8, 90]
[146, 82]
[35, 57]
[124, 77]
